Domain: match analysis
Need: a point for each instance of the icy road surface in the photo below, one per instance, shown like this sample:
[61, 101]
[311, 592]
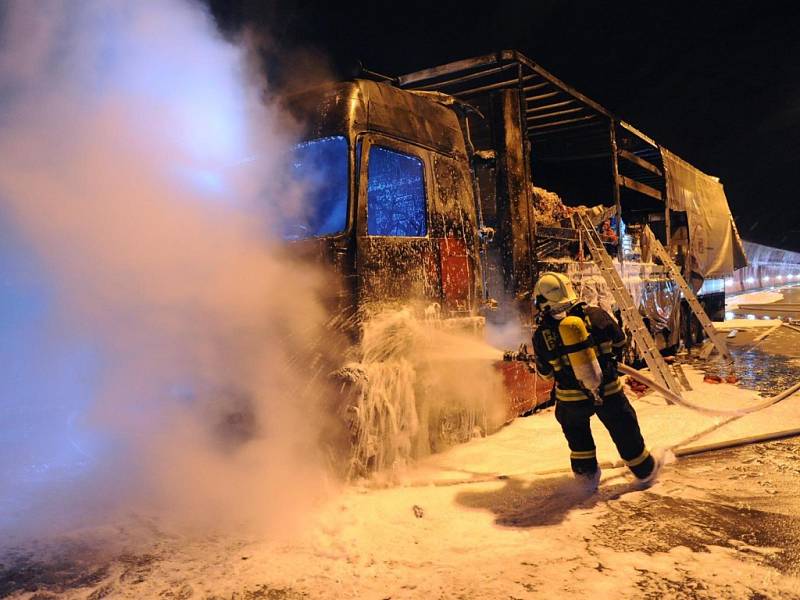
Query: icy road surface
[722, 525]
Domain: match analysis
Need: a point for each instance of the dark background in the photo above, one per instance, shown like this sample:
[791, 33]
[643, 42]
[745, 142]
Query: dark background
[716, 82]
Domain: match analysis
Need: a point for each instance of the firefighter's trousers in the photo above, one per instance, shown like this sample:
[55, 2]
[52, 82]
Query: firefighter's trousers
[618, 416]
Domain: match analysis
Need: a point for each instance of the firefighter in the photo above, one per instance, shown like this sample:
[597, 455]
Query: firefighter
[579, 346]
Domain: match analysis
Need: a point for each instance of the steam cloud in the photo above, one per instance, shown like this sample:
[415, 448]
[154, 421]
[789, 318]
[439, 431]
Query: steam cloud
[164, 363]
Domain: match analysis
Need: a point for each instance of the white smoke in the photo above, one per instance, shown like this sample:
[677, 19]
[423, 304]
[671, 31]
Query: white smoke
[143, 168]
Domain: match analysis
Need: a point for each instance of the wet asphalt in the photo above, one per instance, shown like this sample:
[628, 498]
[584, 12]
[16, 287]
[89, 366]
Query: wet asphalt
[791, 297]
[744, 498]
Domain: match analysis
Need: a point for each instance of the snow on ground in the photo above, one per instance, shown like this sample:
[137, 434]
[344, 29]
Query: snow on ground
[782, 416]
[761, 297]
[536, 445]
[743, 324]
[520, 538]
[530, 534]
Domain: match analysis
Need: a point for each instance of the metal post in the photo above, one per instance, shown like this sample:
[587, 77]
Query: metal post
[667, 224]
[612, 134]
[527, 196]
[513, 204]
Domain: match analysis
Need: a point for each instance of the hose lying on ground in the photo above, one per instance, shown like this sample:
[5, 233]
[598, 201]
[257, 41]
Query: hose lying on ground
[679, 448]
[762, 336]
[751, 439]
[678, 399]
[792, 327]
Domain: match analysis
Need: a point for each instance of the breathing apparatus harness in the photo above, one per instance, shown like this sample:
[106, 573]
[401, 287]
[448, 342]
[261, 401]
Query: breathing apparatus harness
[570, 344]
[583, 355]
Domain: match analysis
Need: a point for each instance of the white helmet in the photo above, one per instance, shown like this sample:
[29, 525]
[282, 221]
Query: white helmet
[553, 292]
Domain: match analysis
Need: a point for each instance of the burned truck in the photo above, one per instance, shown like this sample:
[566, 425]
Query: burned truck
[542, 131]
[397, 214]
[424, 195]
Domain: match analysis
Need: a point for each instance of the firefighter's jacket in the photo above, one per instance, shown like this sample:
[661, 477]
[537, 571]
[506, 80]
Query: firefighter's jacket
[605, 335]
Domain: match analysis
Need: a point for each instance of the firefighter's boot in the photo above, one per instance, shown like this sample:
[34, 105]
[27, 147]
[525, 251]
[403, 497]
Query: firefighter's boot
[659, 456]
[588, 482]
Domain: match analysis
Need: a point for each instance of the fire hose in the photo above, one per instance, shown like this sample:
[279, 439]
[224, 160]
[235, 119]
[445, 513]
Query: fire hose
[678, 399]
[679, 449]
[524, 356]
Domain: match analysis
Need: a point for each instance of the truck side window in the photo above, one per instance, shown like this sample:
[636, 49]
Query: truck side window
[395, 194]
[319, 168]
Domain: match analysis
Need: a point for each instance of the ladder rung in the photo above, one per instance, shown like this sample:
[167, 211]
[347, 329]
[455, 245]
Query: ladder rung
[630, 312]
[688, 293]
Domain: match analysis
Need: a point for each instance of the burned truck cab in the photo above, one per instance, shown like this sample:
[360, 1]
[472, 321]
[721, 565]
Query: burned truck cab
[393, 205]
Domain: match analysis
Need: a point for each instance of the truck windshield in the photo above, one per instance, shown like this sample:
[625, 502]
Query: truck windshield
[319, 167]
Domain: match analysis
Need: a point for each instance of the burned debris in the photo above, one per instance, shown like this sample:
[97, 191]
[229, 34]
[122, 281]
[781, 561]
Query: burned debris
[467, 180]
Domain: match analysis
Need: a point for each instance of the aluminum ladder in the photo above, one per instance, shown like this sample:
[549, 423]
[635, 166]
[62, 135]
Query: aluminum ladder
[630, 312]
[694, 303]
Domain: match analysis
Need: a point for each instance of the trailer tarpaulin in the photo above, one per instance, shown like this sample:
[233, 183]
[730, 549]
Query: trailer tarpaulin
[715, 248]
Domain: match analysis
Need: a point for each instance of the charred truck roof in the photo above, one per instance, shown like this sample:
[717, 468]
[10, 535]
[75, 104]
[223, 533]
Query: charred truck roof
[359, 106]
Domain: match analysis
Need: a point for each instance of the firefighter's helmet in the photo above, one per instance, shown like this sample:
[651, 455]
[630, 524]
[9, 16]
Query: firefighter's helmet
[553, 292]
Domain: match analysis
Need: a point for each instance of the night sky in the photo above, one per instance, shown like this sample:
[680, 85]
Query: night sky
[716, 82]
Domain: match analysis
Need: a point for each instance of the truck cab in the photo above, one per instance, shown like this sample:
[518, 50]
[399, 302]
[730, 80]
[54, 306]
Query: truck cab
[392, 202]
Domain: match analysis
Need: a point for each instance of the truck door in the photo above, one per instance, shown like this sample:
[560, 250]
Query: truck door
[396, 262]
[454, 228]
